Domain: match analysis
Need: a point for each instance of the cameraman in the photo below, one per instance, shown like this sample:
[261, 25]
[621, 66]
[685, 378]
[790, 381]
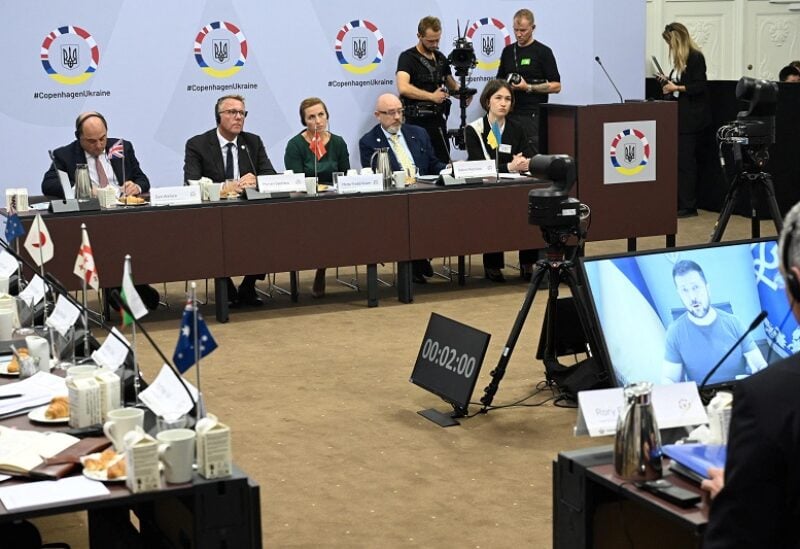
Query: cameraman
[424, 81]
[536, 73]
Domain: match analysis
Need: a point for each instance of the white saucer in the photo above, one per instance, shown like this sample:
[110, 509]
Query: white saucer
[38, 415]
[102, 474]
[4, 370]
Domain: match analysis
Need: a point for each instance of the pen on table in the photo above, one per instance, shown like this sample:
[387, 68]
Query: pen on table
[2, 397]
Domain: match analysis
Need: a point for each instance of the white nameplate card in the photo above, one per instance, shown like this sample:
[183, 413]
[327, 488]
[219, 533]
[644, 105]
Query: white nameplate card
[370, 183]
[8, 265]
[64, 316]
[33, 292]
[113, 352]
[474, 168]
[282, 183]
[674, 405]
[174, 196]
[166, 396]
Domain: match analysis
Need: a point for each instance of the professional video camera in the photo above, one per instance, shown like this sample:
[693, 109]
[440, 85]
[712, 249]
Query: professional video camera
[552, 208]
[756, 125]
[463, 60]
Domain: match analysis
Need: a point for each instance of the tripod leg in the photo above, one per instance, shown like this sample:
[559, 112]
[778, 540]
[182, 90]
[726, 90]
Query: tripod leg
[500, 370]
[772, 204]
[727, 209]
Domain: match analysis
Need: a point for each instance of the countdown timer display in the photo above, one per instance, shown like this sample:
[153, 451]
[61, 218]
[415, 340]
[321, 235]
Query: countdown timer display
[449, 359]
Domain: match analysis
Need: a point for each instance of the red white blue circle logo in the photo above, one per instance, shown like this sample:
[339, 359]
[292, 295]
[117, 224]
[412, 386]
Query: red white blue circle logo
[69, 55]
[220, 49]
[359, 46]
[630, 151]
[488, 36]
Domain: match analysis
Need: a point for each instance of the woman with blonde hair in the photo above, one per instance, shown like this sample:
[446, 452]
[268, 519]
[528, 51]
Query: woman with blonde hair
[687, 83]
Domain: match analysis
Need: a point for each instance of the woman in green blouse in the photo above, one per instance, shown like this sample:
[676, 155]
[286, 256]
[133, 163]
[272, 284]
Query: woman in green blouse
[315, 150]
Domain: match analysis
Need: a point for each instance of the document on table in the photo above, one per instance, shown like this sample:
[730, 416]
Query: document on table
[35, 390]
[45, 492]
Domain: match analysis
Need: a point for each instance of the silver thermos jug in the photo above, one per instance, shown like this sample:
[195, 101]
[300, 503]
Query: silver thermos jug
[83, 185]
[637, 447]
[383, 166]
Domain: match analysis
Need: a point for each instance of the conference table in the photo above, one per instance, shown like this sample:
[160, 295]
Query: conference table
[202, 514]
[298, 232]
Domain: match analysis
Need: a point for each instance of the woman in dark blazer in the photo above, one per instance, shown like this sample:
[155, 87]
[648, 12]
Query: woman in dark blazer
[688, 84]
[495, 137]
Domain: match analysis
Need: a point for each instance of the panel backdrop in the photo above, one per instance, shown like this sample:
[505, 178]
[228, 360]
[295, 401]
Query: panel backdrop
[155, 68]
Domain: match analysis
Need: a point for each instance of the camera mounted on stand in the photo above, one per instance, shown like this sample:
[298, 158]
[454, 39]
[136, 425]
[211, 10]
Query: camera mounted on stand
[749, 137]
[551, 208]
[463, 60]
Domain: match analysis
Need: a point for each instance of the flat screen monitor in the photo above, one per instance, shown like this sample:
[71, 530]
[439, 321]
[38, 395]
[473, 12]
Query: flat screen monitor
[670, 315]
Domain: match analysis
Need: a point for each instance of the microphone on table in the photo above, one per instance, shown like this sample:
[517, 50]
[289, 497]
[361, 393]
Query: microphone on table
[447, 150]
[597, 58]
[243, 146]
[316, 149]
[115, 296]
[753, 325]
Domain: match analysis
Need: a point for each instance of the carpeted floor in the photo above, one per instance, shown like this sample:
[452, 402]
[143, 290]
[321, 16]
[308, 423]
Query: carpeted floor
[324, 416]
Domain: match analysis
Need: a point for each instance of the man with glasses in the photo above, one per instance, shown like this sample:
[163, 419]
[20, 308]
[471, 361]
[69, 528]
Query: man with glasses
[424, 79]
[235, 157]
[530, 68]
[409, 150]
[91, 147]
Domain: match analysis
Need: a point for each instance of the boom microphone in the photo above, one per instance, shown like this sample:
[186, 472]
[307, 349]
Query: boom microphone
[597, 58]
[753, 325]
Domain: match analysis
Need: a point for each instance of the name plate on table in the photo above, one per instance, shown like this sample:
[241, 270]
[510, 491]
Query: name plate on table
[174, 196]
[370, 183]
[674, 405]
[474, 168]
[282, 183]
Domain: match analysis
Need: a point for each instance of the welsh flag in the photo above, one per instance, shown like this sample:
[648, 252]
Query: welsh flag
[84, 264]
[130, 295]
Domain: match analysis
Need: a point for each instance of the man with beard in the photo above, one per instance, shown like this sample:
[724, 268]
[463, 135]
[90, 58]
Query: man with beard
[424, 80]
[698, 338]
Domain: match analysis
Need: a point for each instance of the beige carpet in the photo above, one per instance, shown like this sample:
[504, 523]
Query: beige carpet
[324, 417]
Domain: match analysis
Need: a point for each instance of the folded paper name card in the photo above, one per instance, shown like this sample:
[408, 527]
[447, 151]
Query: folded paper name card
[370, 183]
[282, 183]
[474, 168]
[174, 196]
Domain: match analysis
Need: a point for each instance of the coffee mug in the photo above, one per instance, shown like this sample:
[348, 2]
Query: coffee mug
[311, 186]
[120, 422]
[214, 191]
[176, 451]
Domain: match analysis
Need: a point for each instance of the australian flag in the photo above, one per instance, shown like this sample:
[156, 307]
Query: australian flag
[184, 357]
[14, 228]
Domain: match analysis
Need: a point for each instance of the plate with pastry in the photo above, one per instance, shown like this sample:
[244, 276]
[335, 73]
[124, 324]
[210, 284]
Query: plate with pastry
[9, 365]
[105, 466]
[132, 201]
[55, 412]
[230, 196]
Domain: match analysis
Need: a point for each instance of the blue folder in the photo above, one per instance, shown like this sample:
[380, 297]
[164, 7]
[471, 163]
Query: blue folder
[694, 460]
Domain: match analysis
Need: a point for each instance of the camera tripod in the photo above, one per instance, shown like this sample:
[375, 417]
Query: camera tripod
[757, 179]
[559, 270]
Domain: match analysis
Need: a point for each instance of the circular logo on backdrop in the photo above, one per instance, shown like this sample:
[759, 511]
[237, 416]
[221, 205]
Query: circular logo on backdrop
[488, 36]
[630, 151]
[220, 49]
[359, 46]
[69, 55]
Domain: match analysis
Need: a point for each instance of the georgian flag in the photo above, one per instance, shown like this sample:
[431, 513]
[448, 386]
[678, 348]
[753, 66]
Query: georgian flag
[84, 264]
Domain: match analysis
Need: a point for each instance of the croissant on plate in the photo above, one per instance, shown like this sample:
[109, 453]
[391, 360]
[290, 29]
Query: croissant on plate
[59, 408]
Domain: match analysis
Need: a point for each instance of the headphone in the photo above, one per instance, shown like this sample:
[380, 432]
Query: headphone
[302, 114]
[79, 122]
[792, 284]
[216, 110]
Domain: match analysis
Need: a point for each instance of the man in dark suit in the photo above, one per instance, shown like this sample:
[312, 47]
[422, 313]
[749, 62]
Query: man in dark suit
[409, 150]
[107, 167]
[235, 157]
[758, 502]
[91, 147]
[401, 139]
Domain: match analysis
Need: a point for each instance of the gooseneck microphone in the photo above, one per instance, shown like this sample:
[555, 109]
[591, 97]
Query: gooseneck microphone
[244, 147]
[597, 58]
[753, 325]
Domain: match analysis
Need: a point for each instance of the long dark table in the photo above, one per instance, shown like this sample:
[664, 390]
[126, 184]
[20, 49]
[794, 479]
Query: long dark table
[230, 238]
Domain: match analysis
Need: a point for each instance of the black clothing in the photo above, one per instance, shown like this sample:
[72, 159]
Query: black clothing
[203, 157]
[694, 118]
[760, 503]
[534, 62]
[512, 135]
[429, 76]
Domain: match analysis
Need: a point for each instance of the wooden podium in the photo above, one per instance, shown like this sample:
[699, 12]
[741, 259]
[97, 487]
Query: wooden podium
[626, 209]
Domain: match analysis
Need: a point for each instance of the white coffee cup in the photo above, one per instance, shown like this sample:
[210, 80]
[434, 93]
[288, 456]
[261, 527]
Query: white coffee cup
[84, 370]
[4, 285]
[367, 171]
[214, 191]
[399, 179]
[311, 186]
[176, 451]
[352, 171]
[120, 422]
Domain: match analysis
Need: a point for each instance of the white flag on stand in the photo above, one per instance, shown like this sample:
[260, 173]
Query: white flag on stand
[130, 295]
[84, 263]
[38, 242]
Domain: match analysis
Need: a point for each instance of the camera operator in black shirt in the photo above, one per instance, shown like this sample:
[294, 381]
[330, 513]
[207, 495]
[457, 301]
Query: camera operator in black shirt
[530, 68]
[424, 83]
